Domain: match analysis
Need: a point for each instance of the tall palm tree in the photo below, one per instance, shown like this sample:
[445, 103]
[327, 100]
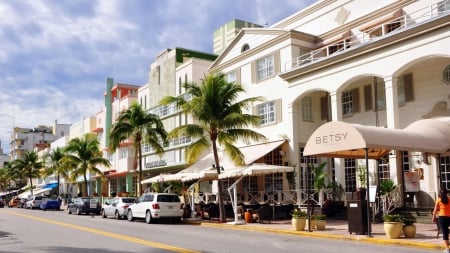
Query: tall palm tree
[30, 166]
[83, 155]
[221, 120]
[138, 126]
[55, 165]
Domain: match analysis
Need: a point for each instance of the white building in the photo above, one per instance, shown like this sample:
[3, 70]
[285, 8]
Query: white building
[377, 63]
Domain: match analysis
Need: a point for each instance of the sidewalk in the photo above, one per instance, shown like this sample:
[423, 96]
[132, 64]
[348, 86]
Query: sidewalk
[426, 236]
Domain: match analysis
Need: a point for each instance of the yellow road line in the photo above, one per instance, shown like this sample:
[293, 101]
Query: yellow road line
[113, 235]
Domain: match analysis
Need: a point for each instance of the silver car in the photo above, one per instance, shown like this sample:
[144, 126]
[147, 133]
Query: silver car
[156, 206]
[117, 207]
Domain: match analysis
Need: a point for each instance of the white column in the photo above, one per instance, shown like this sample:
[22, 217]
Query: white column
[390, 86]
[336, 115]
[336, 107]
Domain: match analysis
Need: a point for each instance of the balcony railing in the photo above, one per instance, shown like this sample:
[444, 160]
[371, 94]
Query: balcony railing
[403, 23]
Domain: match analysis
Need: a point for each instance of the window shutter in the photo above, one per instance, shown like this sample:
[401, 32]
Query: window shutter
[278, 110]
[355, 102]
[409, 88]
[238, 75]
[276, 62]
[324, 108]
[368, 101]
[254, 72]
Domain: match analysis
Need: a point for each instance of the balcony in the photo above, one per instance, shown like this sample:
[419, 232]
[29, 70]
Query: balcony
[370, 33]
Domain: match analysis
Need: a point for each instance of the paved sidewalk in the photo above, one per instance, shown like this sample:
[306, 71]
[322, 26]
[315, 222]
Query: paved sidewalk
[426, 236]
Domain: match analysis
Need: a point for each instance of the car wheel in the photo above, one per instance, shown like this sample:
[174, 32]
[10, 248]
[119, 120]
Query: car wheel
[130, 215]
[78, 211]
[103, 213]
[148, 217]
[116, 215]
[68, 211]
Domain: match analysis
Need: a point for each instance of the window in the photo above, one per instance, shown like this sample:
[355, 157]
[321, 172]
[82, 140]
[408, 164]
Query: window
[350, 175]
[265, 67]
[306, 177]
[267, 112]
[307, 109]
[231, 77]
[444, 6]
[383, 169]
[274, 157]
[245, 47]
[350, 102]
[445, 171]
[405, 160]
[405, 90]
[446, 73]
[340, 46]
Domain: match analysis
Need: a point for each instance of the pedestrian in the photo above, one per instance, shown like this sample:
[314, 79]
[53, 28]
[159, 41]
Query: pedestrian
[442, 211]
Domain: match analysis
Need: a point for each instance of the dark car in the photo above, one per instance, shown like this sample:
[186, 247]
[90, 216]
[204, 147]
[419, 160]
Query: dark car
[2, 203]
[87, 205]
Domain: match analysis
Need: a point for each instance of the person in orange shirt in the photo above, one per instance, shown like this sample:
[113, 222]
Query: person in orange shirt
[442, 211]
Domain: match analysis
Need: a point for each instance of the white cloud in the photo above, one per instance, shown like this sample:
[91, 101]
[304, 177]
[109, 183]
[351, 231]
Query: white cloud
[55, 56]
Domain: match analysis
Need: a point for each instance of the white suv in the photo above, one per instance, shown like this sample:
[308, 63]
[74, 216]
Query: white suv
[156, 206]
[34, 202]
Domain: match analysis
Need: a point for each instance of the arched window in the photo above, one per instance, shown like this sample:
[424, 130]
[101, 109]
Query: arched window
[446, 75]
[245, 47]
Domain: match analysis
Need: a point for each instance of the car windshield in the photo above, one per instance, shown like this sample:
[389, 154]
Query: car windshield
[168, 198]
[128, 200]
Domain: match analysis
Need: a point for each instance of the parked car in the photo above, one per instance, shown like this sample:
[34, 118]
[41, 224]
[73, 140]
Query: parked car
[156, 206]
[117, 207]
[34, 202]
[14, 202]
[52, 204]
[86, 205]
[2, 203]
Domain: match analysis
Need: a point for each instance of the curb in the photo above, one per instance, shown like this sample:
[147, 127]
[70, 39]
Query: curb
[397, 242]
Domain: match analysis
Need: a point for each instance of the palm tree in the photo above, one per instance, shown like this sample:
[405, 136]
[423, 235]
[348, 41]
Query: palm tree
[139, 126]
[30, 166]
[83, 155]
[220, 118]
[55, 165]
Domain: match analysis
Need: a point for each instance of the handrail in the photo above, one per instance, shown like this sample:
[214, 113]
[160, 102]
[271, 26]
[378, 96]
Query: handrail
[402, 23]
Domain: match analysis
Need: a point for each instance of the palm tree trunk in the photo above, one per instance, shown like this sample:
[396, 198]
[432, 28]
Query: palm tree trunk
[139, 185]
[219, 182]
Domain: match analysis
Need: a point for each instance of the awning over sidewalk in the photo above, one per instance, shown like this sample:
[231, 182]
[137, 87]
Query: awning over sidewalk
[340, 139]
[203, 169]
[255, 169]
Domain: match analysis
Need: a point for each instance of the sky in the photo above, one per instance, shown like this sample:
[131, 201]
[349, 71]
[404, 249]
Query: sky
[55, 55]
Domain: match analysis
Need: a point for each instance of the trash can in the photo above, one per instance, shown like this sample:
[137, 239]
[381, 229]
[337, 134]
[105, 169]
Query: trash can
[357, 216]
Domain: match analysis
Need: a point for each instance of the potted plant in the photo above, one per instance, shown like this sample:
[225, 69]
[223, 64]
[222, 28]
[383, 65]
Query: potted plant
[362, 183]
[320, 220]
[298, 219]
[393, 226]
[409, 228]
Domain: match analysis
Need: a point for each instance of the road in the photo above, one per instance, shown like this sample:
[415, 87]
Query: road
[36, 231]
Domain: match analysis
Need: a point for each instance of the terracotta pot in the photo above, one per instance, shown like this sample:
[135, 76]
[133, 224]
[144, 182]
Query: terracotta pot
[299, 224]
[393, 230]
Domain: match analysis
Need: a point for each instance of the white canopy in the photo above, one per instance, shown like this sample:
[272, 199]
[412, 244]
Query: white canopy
[341, 139]
[203, 169]
[255, 170]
